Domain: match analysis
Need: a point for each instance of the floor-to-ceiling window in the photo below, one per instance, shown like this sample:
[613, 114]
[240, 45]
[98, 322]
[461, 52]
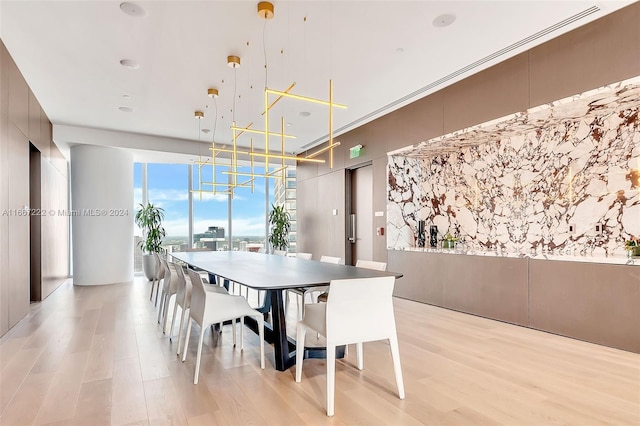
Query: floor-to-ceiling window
[210, 209]
[137, 200]
[168, 186]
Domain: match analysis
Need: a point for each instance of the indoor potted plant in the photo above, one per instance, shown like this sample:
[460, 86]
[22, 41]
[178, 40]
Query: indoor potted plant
[149, 218]
[449, 241]
[280, 223]
[632, 245]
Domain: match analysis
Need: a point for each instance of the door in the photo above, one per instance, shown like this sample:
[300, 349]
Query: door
[360, 226]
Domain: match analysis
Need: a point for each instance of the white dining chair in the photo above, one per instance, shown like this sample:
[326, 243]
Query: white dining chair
[304, 291]
[158, 274]
[357, 311]
[212, 307]
[298, 293]
[183, 299]
[169, 288]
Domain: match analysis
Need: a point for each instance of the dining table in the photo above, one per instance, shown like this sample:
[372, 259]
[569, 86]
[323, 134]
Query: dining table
[274, 275]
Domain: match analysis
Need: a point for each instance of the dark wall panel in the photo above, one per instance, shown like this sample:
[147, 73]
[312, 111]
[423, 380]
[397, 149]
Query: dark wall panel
[593, 302]
[591, 56]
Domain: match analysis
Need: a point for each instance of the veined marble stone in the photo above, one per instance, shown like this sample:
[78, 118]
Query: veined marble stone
[518, 183]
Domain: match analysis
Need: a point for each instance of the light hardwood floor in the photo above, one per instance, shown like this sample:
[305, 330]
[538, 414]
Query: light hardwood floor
[95, 355]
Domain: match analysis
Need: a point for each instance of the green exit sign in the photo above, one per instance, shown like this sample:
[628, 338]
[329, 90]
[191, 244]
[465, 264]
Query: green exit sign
[354, 152]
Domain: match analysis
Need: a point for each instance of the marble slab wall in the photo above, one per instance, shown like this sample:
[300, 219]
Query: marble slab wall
[520, 183]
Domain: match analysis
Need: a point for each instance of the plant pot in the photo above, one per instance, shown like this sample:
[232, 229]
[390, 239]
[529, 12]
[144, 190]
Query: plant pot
[149, 266]
[448, 244]
[633, 251]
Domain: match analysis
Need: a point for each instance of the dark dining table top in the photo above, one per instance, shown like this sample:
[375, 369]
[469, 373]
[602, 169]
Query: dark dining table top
[270, 272]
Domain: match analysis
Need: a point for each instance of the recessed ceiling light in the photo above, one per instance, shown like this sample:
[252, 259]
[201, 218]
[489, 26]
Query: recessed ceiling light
[399, 50]
[444, 20]
[205, 131]
[125, 96]
[133, 9]
[125, 109]
[288, 124]
[304, 113]
[129, 63]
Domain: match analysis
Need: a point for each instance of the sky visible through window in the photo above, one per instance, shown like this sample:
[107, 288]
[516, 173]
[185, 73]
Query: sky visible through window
[168, 188]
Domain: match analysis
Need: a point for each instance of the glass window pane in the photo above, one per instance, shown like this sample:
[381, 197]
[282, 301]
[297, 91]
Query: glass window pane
[169, 188]
[137, 200]
[210, 210]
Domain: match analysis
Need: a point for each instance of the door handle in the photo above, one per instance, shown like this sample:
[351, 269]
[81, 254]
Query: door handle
[352, 230]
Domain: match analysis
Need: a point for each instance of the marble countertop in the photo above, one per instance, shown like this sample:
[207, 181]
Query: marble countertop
[614, 259]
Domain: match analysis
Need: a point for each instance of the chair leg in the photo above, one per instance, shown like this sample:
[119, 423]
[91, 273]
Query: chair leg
[195, 378]
[173, 319]
[233, 331]
[184, 311]
[186, 341]
[166, 308]
[301, 331]
[157, 293]
[242, 333]
[153, 283]
[331, 379]
[397, 369]
[359, 356]
[160, 307]
[260, 320]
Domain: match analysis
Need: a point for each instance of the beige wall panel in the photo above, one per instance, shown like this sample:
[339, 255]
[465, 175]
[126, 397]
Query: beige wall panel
[18, 270]
[45, 135]
[18, 98]
[306, 218]
[331, 195]
[495, 92]
[34, 121]
[306, 171]
[411, 124]
[4, 222]
[380, 205]
[490, 287]
[603, 52]
[593, 302]
[338, 160]
[4, 80]
[418, 282]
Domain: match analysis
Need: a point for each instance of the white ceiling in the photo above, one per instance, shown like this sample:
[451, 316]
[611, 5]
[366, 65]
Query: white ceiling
[379, 54]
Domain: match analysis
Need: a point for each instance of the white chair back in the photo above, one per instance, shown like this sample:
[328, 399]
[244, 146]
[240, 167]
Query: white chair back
[360, 310]
[371, 264]
[183, 296]
[159, 271]
[198, 296]
[304, 256]
[331, 259]
[167, 275]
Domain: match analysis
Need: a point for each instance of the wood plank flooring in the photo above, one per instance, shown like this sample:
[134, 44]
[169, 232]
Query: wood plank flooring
[96, 356]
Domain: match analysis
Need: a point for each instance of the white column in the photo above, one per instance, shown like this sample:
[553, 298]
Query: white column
[101, 195]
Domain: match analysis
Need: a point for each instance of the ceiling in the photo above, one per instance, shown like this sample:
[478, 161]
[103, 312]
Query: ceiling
[380, 56]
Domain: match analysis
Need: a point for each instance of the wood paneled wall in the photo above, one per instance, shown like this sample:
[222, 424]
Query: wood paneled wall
[22, 120]
[602, 52]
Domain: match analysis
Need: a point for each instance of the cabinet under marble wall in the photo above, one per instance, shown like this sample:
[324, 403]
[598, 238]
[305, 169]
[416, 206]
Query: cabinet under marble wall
[540, 180]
